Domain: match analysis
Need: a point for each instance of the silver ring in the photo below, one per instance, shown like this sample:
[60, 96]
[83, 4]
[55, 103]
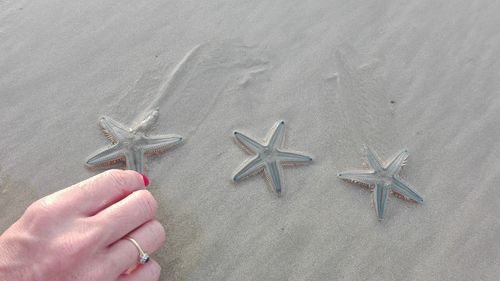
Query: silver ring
[143, 256]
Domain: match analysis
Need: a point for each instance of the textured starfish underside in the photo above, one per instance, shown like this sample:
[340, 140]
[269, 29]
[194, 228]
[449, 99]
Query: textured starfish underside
[384, 179]
[268, 157]
[130, 144]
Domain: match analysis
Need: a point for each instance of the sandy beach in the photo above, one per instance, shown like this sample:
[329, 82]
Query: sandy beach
[421, 75]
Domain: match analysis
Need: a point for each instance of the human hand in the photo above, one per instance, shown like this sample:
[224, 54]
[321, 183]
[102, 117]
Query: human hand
[77, 233]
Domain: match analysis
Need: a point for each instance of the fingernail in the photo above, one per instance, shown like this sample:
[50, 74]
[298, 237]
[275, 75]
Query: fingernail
[146, 180]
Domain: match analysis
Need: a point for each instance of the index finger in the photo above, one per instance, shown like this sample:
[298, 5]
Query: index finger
[101, 191]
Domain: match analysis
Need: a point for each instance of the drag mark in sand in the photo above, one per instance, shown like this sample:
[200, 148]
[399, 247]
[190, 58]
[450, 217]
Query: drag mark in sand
[362, 91]
[222, 71]
[209, 72]
[133, 143]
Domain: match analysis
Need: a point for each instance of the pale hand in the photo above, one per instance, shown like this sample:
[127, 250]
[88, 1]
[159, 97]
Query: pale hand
[77, 233]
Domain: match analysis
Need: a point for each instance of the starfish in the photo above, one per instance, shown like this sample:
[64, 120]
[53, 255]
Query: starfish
[268, 156]
[131, 144]
[384, 179]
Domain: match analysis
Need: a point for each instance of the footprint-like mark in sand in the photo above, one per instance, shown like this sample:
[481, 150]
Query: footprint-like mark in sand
[364, 102]
[216, 71]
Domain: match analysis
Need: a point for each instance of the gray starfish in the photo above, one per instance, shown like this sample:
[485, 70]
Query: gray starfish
[384, 178]
[268, 156]
[131, 144]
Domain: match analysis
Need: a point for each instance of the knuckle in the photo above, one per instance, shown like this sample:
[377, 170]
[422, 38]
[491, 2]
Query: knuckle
[117, 177]
[122, 180]
[41, 209]
[147, 202]
[97, 231]
[32, 209]
[158, 231]
[45, 213]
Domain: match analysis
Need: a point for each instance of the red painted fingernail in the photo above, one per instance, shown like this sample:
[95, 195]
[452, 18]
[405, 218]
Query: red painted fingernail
[146, 180]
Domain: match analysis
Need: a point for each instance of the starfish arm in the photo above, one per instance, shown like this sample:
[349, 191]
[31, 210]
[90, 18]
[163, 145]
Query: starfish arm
[401, 187]
[366, 177]
[249, 168]
[135, 160]
[278, 135]
[373, 159]
[105, 155]
[273, 174]
[290, 157]
[112, 129]
[380, 194]
[157, 144]
[398, 161]
[249, 143]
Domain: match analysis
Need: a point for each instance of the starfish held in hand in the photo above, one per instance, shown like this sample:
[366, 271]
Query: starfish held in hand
[131, 144]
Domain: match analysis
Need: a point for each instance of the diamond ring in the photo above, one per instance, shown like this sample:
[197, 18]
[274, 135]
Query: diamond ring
[143, 256]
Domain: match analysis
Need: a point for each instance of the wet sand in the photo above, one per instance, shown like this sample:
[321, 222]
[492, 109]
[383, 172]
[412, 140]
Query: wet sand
[422, 76]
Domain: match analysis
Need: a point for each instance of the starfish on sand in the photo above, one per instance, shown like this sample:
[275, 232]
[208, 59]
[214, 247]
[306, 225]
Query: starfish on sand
[268, 156]
[384, 179]
[131, 144]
